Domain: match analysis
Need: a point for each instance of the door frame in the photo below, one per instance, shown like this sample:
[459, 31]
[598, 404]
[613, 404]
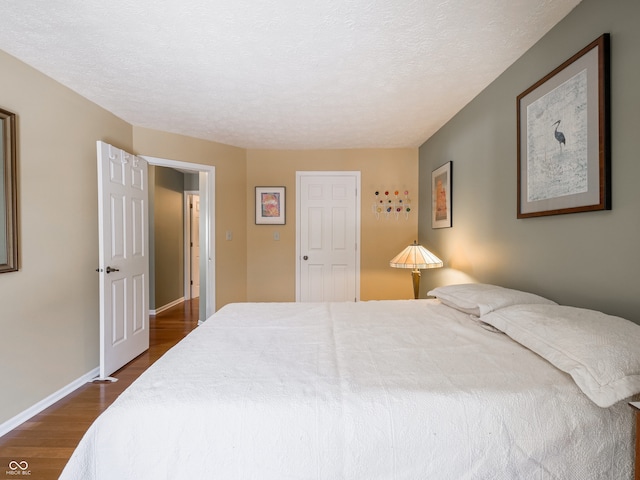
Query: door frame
[342, 173]
[207, 182]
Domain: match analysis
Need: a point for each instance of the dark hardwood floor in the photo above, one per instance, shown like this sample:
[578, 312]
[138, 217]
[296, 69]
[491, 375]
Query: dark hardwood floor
[47, 440]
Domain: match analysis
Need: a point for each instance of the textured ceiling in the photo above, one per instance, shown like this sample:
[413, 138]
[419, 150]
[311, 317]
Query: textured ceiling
[287, 74]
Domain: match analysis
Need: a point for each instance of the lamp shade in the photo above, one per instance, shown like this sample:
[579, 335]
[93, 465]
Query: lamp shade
[416, 257]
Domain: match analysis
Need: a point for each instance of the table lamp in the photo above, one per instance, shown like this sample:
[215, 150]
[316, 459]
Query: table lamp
[415, 257]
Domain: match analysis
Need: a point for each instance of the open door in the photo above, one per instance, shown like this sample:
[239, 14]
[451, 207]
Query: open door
[123, 255]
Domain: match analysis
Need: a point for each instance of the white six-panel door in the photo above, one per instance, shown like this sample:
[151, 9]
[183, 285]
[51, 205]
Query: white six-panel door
[328, 236]
[123, 255]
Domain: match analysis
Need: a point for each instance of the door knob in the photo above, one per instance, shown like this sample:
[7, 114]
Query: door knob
[109, 270]
[305, 258]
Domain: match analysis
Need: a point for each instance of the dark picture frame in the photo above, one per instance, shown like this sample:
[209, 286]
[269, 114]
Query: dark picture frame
[563, 122]
[270, 205]
[441, 208]
[8, 193]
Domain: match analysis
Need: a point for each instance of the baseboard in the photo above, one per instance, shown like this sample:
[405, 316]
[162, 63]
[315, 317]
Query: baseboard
[167, 306]
[30, 412]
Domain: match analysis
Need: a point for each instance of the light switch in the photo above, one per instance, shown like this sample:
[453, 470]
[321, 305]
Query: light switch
[229, 235]
[276, 235]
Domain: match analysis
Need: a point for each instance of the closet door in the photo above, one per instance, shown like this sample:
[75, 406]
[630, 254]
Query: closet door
[328, 235]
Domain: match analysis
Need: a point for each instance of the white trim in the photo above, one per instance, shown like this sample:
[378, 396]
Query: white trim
[207, 185]
[167, 306]
[32, 411]
[207, 243]
[350, 173]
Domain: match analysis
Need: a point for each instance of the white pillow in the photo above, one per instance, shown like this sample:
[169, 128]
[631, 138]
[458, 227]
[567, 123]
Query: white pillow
[600, 352]
[479, 299]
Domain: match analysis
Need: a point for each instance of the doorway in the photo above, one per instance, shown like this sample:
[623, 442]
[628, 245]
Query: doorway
[206, 228]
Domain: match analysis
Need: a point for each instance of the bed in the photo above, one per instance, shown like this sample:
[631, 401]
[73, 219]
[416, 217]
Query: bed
[416, 389]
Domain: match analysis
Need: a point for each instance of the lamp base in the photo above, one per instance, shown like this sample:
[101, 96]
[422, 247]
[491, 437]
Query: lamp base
[416, 283]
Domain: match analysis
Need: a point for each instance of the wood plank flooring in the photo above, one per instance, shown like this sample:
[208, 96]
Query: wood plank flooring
[47, 440]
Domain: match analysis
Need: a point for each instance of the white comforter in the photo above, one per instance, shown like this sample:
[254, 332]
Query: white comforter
[370, 390]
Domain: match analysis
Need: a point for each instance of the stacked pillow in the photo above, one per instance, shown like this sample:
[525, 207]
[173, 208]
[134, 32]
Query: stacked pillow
[600, 352]
[479, 299]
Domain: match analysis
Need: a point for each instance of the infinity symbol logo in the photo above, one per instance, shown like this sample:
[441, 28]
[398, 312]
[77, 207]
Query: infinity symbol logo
[13, 465]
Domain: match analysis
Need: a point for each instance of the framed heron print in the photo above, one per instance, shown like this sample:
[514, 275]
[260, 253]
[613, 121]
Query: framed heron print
[563, 124]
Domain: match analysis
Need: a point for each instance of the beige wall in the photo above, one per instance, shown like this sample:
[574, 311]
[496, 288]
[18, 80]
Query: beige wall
[230, 163]
[585, 259]
[271, 263]
[49, 308]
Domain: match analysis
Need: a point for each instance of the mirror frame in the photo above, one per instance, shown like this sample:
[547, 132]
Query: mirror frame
[10, 201]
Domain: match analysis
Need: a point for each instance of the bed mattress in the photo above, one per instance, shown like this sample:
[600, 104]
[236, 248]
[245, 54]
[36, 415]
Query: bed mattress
[369, 390]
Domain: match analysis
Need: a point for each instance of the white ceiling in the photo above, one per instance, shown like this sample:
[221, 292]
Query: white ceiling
[286, 74]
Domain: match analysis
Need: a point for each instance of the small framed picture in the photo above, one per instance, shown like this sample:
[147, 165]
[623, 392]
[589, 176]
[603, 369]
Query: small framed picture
[270, 205]
[441, 196]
